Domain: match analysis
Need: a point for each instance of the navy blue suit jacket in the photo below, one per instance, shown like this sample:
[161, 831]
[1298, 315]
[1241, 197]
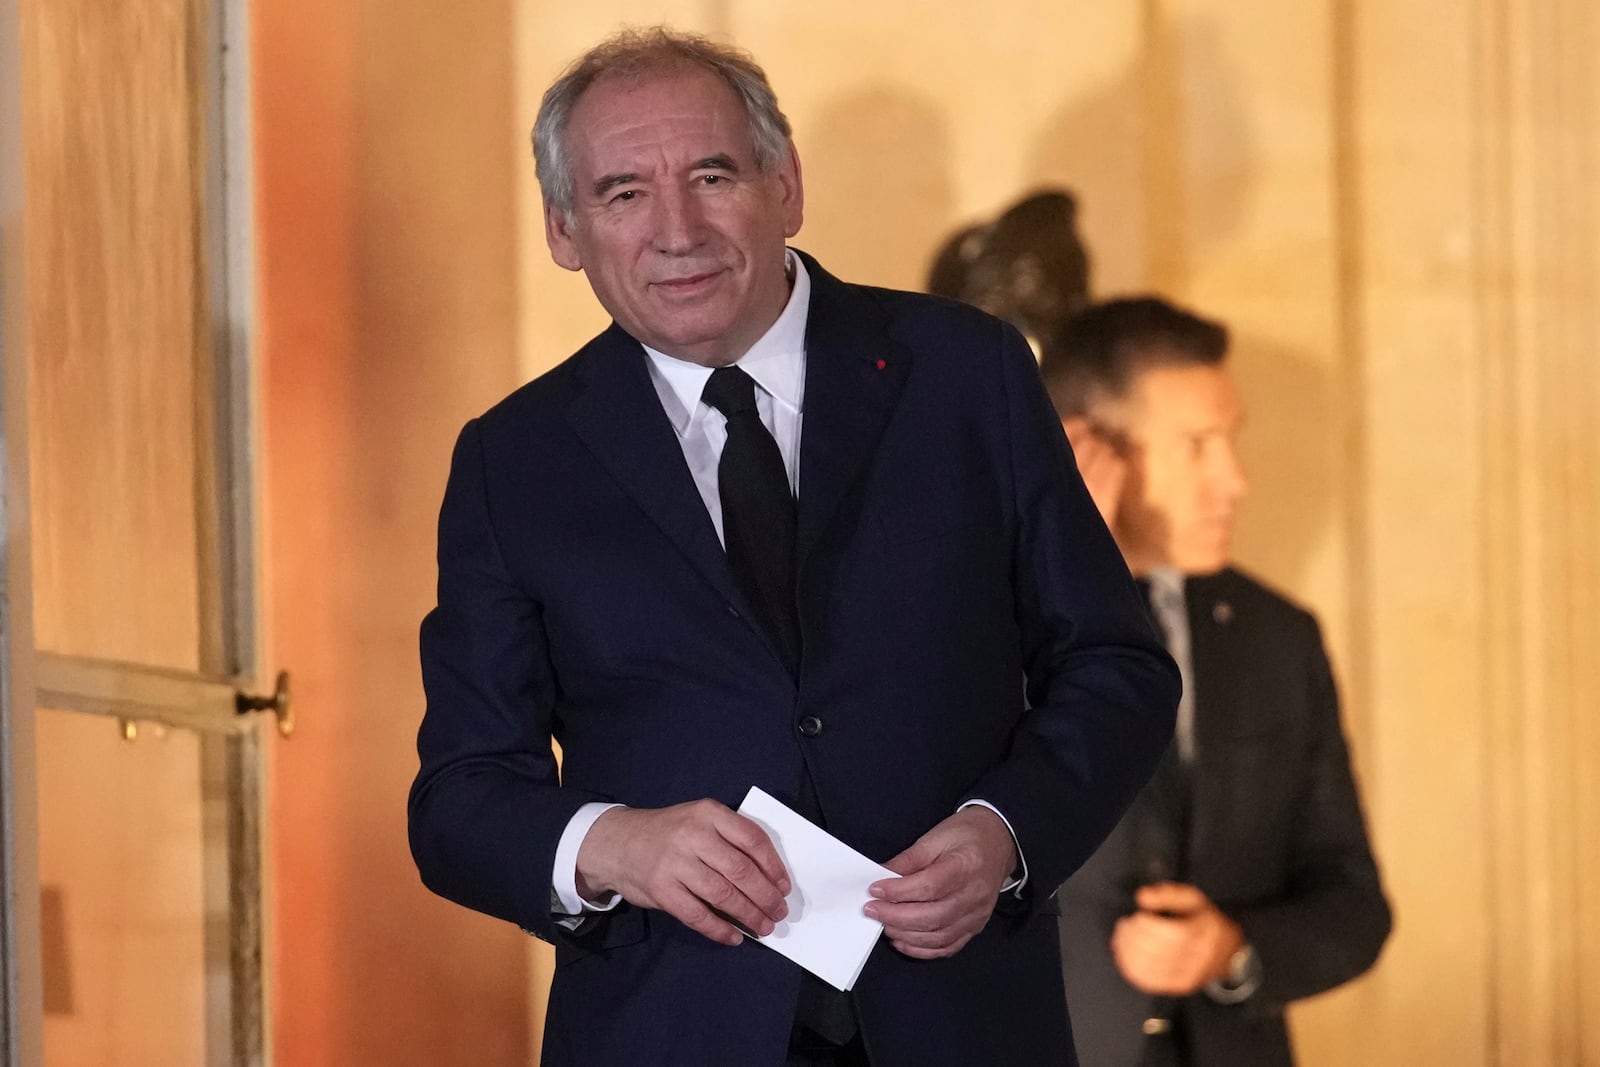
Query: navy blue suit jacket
[969, 631]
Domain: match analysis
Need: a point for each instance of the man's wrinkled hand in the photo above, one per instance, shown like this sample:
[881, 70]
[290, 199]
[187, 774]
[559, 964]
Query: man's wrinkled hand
[700, 862]
[949, 882]
[1176, 942]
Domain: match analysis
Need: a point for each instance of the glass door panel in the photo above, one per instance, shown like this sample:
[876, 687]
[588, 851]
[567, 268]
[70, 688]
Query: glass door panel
[117, 293]
[121, 874]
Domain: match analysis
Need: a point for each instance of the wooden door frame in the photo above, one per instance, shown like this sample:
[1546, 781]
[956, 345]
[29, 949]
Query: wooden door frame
[232, 775]
[21, 990]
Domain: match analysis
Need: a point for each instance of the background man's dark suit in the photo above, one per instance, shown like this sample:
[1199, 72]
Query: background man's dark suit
[1276, 840]
[946, 550]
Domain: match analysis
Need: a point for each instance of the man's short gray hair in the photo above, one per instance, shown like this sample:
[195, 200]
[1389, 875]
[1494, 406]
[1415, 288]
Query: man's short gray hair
[633, 53]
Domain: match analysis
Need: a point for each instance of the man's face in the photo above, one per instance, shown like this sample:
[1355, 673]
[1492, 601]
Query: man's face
[1184, 479]
[680, 235]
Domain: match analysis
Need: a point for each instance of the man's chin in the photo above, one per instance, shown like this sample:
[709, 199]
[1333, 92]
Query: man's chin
[1204, 564]
[693, 342]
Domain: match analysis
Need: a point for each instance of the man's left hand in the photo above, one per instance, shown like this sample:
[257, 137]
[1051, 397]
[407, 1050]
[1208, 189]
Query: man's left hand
[1176, 942]
[949, 882]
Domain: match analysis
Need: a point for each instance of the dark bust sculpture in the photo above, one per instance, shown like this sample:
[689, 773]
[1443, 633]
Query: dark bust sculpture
[1028, 266]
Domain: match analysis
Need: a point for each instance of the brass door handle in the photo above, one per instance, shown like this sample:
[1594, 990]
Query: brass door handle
[278, 703]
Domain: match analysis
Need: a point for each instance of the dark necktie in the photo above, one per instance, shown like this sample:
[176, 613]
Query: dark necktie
[758, 512]
[758, 524]
[1166, 852]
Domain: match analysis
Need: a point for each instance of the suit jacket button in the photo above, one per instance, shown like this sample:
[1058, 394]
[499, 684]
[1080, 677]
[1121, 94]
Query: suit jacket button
[1156, 1026]
[811, 726]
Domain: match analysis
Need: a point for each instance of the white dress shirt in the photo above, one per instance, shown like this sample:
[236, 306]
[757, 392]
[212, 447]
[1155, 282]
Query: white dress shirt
[777, 363]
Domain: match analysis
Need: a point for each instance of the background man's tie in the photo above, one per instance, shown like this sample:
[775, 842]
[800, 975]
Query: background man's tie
[758, 511]
[1171, 787]
[1167, 604]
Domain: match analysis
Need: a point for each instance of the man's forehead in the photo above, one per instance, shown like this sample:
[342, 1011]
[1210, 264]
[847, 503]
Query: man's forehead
[1193, 396]
[680, 100]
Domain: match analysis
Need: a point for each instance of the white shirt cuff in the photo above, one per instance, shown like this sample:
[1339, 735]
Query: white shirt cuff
[564, 875]
[1013, 884]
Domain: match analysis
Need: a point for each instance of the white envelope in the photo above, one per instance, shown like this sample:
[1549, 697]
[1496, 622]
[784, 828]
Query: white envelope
[825, 931]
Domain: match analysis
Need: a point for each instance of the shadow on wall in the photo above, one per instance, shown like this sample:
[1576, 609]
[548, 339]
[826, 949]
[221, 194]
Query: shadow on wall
[1292, 452]
[1162, 157]
[878, 186]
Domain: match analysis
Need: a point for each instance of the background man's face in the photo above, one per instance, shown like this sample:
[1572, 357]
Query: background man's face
[1184, 480]
[680, 234]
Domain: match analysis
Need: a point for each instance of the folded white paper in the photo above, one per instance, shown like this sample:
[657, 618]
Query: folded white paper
[825, 931]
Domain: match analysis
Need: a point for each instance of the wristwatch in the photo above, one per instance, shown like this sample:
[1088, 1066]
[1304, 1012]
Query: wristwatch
[1242, 980]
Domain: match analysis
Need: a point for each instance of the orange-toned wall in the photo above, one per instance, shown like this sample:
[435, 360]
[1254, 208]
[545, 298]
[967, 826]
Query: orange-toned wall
[386, 281]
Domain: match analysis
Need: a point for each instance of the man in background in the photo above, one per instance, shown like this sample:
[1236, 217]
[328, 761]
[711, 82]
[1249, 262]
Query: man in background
[1242, 878]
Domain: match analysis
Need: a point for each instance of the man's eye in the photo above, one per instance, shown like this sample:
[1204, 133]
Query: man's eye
[712, 179]
[624, 196]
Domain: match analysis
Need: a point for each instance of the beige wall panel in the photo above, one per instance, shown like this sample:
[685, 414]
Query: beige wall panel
[1539, 270]
[1479, 178]
[1422, 411]
[914, 119]
[114, 292]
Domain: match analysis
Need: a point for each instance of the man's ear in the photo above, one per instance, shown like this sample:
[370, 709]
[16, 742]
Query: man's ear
[1078, 427]
[794, 196]
[558, 235]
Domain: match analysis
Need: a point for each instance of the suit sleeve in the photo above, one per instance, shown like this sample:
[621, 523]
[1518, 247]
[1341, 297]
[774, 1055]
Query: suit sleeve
[1102, 691]
[487, 809]
[1332, 919]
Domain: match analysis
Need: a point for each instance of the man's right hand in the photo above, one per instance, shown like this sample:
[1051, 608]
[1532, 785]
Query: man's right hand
[1101, 463]
[692, 861]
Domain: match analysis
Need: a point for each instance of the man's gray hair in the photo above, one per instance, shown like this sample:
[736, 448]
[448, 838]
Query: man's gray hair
[633, 53]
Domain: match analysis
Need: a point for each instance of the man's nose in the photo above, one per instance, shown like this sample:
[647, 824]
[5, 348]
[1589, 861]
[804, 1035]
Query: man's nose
[1231, 481]
[680, 222]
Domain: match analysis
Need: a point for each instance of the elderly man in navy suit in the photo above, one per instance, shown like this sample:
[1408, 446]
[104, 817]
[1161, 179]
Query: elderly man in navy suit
[1242, 878]
[769, 529]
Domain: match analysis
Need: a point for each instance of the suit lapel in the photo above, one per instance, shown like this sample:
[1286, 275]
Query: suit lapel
[619, 417]
[1219, 676]
[854, 373]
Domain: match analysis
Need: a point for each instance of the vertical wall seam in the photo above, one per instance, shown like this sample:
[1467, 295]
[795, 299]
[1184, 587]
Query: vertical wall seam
[1349, 254]
[1493, 237]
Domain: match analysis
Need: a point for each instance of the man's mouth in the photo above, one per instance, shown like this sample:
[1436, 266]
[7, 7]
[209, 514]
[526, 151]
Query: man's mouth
[689, 283]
